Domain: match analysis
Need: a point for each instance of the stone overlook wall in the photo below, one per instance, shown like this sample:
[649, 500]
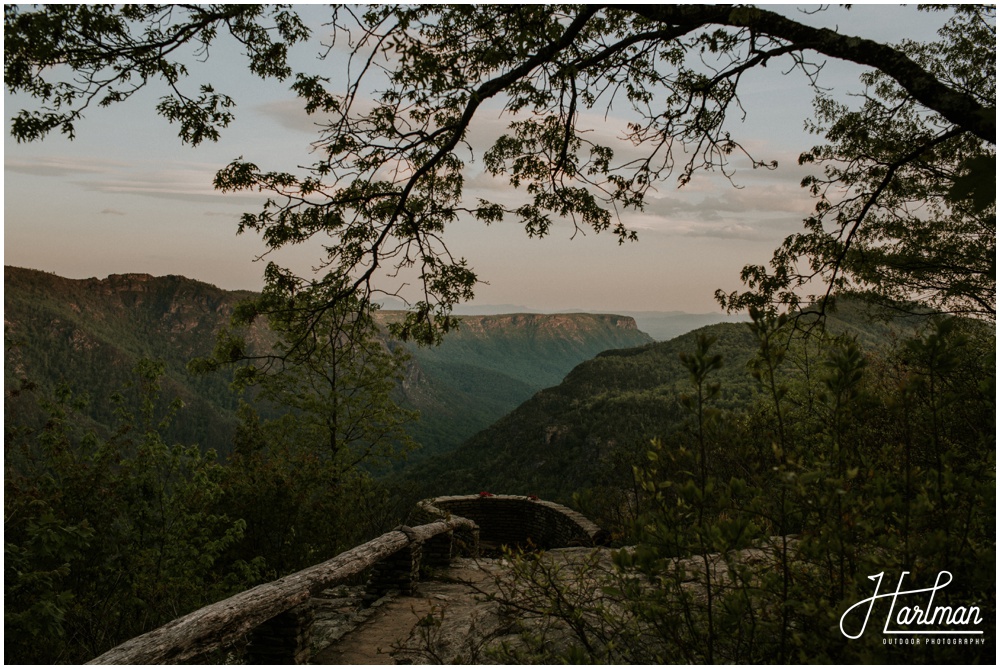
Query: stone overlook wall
[277, 617]
[515, 520]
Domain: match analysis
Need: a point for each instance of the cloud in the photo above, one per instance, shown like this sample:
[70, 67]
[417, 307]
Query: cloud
[773, 199]
[58, 166]
[190, 182]
[112, 212]
[748, 230]
[291, 114]
[752, 193]
[729, 231]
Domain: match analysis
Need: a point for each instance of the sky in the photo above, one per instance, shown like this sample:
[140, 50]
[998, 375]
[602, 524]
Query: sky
[126, 196]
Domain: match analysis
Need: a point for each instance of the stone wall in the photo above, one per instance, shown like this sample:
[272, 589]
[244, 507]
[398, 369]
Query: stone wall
[277, 617]
[515, 520]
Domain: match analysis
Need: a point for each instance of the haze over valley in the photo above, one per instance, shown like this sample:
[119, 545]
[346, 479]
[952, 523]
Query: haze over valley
[667, 331]
[90, 333]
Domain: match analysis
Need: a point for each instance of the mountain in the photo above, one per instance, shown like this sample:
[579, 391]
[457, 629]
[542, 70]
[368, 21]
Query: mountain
[665, 325]
[562, 439]
[90, 333]
[493, 363]
[588, 430]
[660, 325]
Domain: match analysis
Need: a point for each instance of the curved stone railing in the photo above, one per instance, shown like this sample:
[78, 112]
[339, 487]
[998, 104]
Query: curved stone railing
[516, 520]
[277, 616]
[220, 624]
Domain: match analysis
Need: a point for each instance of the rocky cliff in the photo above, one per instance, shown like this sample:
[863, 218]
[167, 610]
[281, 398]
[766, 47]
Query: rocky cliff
[491, 364]
[89, 333]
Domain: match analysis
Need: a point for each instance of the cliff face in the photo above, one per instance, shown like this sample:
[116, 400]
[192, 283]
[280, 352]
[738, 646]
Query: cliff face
[539, 349]
[491, 364]
[578, 327]
[122, 304]
[91, 332]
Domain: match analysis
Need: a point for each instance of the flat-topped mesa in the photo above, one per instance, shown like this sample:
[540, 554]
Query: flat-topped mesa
[533, 324]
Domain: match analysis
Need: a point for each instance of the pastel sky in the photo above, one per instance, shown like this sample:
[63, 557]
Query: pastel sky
[126, 196]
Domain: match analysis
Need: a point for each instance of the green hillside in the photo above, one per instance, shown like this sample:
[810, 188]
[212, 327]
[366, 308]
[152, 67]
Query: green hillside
[493, 363]
[566, 437]
[589, 430]
[90, 333]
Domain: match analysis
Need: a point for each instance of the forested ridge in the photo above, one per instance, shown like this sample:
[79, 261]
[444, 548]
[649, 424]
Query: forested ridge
[90, 333]
[582, 437]
[756, 479]
[269, 508]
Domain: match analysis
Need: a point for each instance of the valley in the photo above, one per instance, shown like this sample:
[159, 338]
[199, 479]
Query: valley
[88, 334]
[471, 229]
[725, 440]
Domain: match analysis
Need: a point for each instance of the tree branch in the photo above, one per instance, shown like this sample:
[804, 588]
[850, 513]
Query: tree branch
[959, 108]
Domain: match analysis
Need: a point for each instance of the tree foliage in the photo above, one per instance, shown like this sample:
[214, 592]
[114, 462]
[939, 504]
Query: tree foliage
[106, 538]
[849, 463]
[390, 174]
[905, 206]
[332, 373]
[300, 505]
[304, 480]
[116, 51]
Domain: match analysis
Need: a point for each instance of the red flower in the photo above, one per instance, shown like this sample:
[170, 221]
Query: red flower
[533, 498]
[485, 494]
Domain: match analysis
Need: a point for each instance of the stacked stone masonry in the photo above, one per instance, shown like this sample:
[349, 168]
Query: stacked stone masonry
[399, 572]
[516, 521]
[283, 639]
[451, 526]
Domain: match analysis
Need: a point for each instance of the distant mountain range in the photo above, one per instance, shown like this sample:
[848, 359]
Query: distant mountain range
[586, 432]
[491, 364]
[90, 333]
[660, 325]
[546, 404]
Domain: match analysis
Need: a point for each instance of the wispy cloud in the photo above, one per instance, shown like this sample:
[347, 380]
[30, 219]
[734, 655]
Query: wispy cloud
[729, 231]
[291, 114]
[178, 181]
[772, 199]
[57, 166]
[108, 211]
